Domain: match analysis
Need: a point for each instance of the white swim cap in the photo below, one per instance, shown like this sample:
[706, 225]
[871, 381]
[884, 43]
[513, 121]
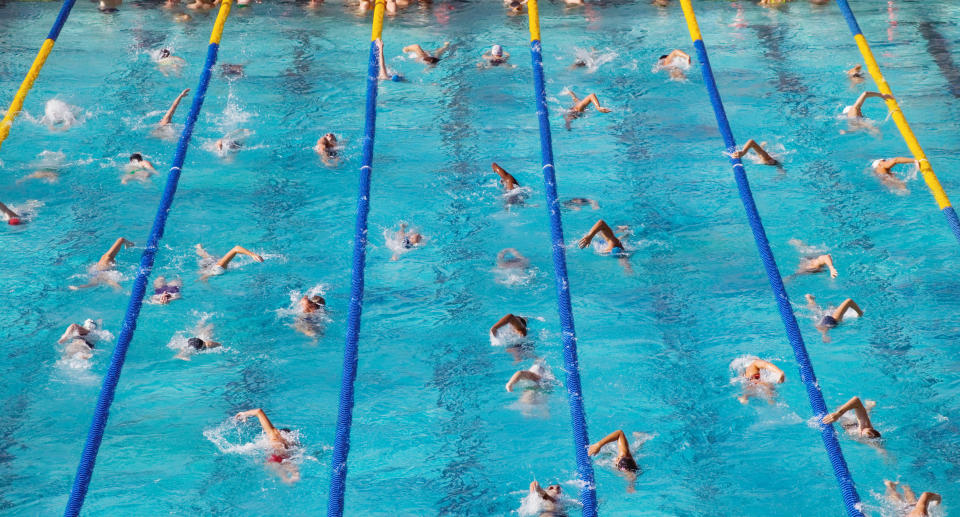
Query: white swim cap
[876, 163]
[847, 109]
[496, 50]
[89, 324]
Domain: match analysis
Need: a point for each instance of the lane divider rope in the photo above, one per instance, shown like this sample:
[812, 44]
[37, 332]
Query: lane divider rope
[81, 482]
[851, 499]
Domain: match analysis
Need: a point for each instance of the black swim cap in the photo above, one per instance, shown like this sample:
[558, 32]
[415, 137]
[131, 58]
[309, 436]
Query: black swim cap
[195, 343]
[663, 56]
[136, 156]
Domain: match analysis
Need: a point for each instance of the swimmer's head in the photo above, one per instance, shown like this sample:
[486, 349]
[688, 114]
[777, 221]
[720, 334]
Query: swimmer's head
[13, 221]
[496, 51]
[330, 137]
[869, 432]
[661, 58]
[516, 6]
[415, 238]
[396, 78]
[165, 52]
[89, 324]
[318, 300]
[195, 343]
[554, 490]
[182, 17]
[579, 63]
[136, 157]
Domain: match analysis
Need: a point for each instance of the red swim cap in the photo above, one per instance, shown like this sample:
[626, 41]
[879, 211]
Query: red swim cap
[13, 221]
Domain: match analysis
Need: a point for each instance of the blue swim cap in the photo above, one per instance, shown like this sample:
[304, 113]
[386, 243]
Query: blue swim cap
[396, 78]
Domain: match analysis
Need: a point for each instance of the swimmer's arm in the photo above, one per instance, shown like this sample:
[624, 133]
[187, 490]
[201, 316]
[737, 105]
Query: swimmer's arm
[866, 95]
[616, 436]
[111, 254]
[233, 253]
[173, 108]
[262, 417]
[6, 210]
[855, 71]
[900, 160]
[854, 404]
[752, 144]
[766, 365]
[68, 334]
[513, 321]
[535, 488]
[522, 375]
[382, 63]
[506, 178]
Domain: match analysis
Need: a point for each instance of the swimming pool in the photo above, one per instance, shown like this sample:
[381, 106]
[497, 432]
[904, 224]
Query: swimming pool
[434, 430]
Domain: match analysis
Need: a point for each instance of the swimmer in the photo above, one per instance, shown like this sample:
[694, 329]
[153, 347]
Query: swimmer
[855, 111]
[327, 149]
[282, 447]
[165, 292]
[510, 258]
[828, 321]
[109, 6]
[753, 382]
[80, 340]
[515, 7]
[577, 202]
[314, 4]
[232, 141]
[211, 266]
[408, 240]
[855, 74]
[860, 427]
[195, 345]
[431, 58]
[202, 4]
[813, 263]
[385, 74]
[883, 166]
[518, 324]
[919, 506]
[307, 322]
[757, 148]
[58, 115]
[45, 175]
[182, 17]
[613, 244]
[550, 505]
[668, 62]
[106, 263]
[494, 57]
[232, 71]
[13, 218]
[140, 169]
[170, 4]
[579, 106]
[624, 460]
[168, 62]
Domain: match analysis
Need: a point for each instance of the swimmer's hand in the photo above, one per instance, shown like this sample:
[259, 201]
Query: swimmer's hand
[782, 378]
[830, 418]
[604, 110]
[584, 242]
[127, 244]
[594, 449]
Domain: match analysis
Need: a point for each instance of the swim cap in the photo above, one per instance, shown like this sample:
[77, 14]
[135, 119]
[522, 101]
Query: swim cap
[396, 78]
[876, 163]
[496, 50]
[195, 343]
[89, 324]
[13, 221]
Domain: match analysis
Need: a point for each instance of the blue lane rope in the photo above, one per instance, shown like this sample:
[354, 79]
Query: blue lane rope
[61, 19]
[95, 436]
[341, 444]
[850, 497]
[588, 491]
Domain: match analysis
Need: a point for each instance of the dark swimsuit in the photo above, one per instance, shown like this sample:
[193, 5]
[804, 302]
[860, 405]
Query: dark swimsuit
[828, 321]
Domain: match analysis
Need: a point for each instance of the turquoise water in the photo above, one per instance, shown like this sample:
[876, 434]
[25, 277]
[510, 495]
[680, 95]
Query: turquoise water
[434, 431]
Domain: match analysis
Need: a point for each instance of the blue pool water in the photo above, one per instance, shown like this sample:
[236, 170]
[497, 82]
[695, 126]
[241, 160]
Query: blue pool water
[435, 433]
